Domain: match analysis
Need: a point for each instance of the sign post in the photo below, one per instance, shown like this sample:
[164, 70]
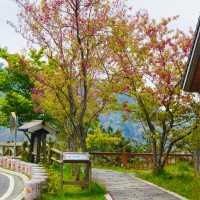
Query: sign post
[13, 129]
[78, 158]
[73, 158]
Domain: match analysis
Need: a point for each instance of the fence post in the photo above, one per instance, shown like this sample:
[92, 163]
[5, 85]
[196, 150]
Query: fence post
[124, 159]
[62, 169]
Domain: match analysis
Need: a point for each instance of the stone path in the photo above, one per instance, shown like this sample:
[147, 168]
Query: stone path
[123, 186]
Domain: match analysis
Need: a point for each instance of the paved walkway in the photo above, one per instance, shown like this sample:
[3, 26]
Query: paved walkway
[123, 186]
[11, 186]
[4, 184]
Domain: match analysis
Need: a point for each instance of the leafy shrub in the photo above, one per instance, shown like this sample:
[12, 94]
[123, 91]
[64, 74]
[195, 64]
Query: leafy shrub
[100, 141]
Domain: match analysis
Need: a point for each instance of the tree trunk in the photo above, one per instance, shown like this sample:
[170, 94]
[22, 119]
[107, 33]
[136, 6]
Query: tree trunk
[197, 162]
[155, 158]
[83, 144]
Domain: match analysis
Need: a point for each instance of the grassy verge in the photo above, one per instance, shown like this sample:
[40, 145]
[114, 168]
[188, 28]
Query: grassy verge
[178, 178]
[54, 192]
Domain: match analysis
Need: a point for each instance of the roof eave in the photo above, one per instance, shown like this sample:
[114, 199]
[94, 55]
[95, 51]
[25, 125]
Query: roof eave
[192, 61]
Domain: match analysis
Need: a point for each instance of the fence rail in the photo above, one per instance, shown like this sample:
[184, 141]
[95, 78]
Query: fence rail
[135, 160]
[125, 159]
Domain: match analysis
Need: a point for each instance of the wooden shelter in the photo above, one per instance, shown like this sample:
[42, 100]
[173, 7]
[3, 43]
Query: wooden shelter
[191, 78]
[37, 131]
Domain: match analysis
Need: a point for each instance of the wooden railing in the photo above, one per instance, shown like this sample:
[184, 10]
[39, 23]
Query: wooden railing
[135, 160]
[55, 156]
[7, 148]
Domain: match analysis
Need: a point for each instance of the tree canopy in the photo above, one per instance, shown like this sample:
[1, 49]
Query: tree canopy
[15, 87]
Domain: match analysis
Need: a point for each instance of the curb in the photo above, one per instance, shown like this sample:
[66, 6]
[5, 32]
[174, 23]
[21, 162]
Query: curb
[108, 197]
[22, 176]
[161, 188]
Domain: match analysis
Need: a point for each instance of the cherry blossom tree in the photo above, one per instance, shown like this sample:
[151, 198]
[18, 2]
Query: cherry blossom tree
[151, 58]
[74, 79]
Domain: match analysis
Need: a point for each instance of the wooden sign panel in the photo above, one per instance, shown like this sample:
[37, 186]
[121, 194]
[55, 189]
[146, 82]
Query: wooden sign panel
[75, 156]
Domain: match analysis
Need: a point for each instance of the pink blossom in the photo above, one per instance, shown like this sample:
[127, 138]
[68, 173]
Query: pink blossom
[28, 8]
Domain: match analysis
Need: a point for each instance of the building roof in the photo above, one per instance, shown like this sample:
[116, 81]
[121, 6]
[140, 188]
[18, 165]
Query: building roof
[191, 78]
[34, 126]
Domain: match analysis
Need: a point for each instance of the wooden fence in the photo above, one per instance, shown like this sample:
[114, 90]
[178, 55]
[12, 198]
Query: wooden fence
[126, 159]
[7, 148]
[135, 160]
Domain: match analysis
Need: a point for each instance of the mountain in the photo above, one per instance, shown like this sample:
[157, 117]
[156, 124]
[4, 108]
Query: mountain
[128, 128]
[115, 120]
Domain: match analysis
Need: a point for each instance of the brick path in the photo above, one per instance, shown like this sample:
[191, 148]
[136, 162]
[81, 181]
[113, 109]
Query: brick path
[123, 186]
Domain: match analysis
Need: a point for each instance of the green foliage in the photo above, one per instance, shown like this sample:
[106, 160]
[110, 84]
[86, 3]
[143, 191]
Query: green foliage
[25, 153]
[11, 80]
[100, 141]
[14, 102]
[15, 88]
[195, 137]
[54, 182]
[13, 76]
[103, 140]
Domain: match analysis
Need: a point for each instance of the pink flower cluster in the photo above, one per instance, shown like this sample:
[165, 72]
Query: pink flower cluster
[56, 4]
[28, 7]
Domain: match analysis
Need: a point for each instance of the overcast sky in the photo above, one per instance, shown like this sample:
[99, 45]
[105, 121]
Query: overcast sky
[189, 10]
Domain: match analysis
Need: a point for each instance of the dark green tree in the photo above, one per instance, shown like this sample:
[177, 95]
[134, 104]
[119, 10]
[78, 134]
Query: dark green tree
[15, 89]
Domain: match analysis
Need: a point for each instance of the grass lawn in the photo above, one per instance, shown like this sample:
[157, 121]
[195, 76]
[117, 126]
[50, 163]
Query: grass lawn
[53, 192]
[178, 178]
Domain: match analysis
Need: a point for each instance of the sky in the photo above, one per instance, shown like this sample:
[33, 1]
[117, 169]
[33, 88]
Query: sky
[189, 10]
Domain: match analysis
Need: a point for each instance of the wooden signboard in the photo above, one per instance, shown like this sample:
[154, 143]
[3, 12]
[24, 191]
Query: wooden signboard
[75, 156]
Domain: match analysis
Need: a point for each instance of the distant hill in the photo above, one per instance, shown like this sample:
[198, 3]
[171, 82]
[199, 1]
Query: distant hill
[113, 120]
[5, 135]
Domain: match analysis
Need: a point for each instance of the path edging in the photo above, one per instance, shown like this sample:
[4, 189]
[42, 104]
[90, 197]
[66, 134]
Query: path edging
[108, 196]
